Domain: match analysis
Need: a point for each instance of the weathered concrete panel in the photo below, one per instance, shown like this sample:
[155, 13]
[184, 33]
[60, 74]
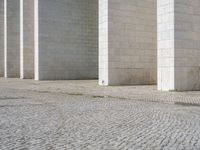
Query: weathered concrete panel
[127, 42]
[179, 48]
[1, 38]
[67, 39]
[27, 39]
[12, 52]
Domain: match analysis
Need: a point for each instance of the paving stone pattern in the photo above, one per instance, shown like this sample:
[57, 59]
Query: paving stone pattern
[34, 117]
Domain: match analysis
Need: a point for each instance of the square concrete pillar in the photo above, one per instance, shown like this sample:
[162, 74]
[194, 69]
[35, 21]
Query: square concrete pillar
[166, 65]
[12, 38]
[103, 42]
[178, 45]
[1, 38]
[27, 39]
[66, 39]
[127, 42]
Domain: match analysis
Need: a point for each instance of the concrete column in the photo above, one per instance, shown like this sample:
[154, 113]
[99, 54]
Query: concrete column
[66, 39]
[127, 42]
[103, 42]
[178, 45]
[12, 39]
[27, 39]
[1, 38]
[166, 64]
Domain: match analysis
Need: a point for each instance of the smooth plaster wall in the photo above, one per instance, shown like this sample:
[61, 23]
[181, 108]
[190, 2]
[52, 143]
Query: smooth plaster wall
[1, 38]
[179, 45]
[127, 42]
[27, 39]
[67, 40]
[12, 37]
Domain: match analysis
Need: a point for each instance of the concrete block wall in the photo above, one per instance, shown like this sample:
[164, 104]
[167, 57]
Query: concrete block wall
[128, 42]
[27, 39]
[67, 38]
[187, 44]
[12, 39]
[1, 38]
[179, 45]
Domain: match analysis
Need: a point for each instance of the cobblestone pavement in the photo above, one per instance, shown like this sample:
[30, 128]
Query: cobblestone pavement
[71, 115]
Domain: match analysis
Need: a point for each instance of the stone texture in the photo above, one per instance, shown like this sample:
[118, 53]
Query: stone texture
[1, 38]
[27, 39]
[36, 115]
[127, 42]
[67, 35]
[12, 37]
[178, 45]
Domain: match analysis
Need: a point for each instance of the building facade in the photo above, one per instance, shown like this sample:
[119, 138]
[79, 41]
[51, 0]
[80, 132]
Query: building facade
[129, 42]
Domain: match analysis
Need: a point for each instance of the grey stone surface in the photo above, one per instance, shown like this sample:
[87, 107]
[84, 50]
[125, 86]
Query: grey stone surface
[178, 45]
[127, 42]
[12, 61]
[37, 115]
[187, 47]
[91, 88]
[68, 39]
[1, 38]
[27, 32]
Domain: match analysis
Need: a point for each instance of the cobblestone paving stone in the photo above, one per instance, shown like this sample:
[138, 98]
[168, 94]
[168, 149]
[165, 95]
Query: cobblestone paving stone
[31, 118]
[90, 88]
